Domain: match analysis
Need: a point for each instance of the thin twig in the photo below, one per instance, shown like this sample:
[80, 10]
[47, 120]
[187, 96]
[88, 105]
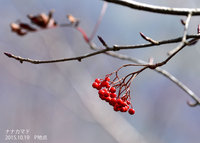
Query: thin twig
[156, 9]
[79, 58]
[124, 57]
[171, 56]
[184, 34]
[148, 39]
[155, 67]
[161, 71]
[170, 41]
[103, 10]
[114, 48]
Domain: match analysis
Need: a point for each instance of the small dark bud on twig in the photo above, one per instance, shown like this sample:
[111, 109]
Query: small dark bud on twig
[198, 29]
[192, 42]
[148, 39]
[116, 48]
[102, 41]
[192, 104]
[182, 22]
[8, 54]
[79, 59]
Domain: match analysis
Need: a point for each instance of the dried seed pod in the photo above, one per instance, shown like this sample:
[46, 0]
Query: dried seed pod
[27, 27]
[73, 20]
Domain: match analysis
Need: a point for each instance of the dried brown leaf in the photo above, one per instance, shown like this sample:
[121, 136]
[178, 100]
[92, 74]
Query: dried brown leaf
[42, 20]
[39, 20]
[27, 27]
[15, 27]
[73, 20]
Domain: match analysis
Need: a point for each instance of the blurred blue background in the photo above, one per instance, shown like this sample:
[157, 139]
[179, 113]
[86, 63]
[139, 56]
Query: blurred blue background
[57, 99]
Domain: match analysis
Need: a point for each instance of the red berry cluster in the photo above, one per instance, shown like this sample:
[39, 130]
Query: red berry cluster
[107, 92]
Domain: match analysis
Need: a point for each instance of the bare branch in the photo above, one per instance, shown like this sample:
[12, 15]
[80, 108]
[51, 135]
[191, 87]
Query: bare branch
[108, 50]
[79, 58]
[170, 41]
[122, 57]
[172, 55]
[156, 9]
[184, 35]
[159, 70]
[103, 10]
[163, 72]
[102, 41]
[114, 48]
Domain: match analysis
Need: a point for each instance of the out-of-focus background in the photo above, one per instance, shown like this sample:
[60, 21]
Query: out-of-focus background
[57, 100]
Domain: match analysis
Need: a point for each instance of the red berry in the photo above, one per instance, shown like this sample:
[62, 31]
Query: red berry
[112, 90]
[119, 101]
[95, 85]
[107, 84]
[116, 107]
[105, 89]
[102, 97]
[128, 102]
[126, 108]
[123, 109]
[106, 93]
[103, 83]
[131, 111]
[123, 104]
[107, 78]
[101, 92]
[113, 101]
[108, 99]
[113, 95]
[99, 87]
[97, 80]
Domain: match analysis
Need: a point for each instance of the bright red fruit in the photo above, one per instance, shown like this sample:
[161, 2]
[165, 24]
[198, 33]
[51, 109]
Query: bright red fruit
[116, 107]
[126, 108]
[123, 109]
[102, 97]
[120, 102]
[113, 95]
[112, 90]
[107, 78]
[131, 111]
[128, 102]
[95, 85]
[106, 93]
[97, 80]
[99, 87]
[108, 99]
[107, 84]
[101, 92]
[103, 83]
[123, 104]
[113, 101]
